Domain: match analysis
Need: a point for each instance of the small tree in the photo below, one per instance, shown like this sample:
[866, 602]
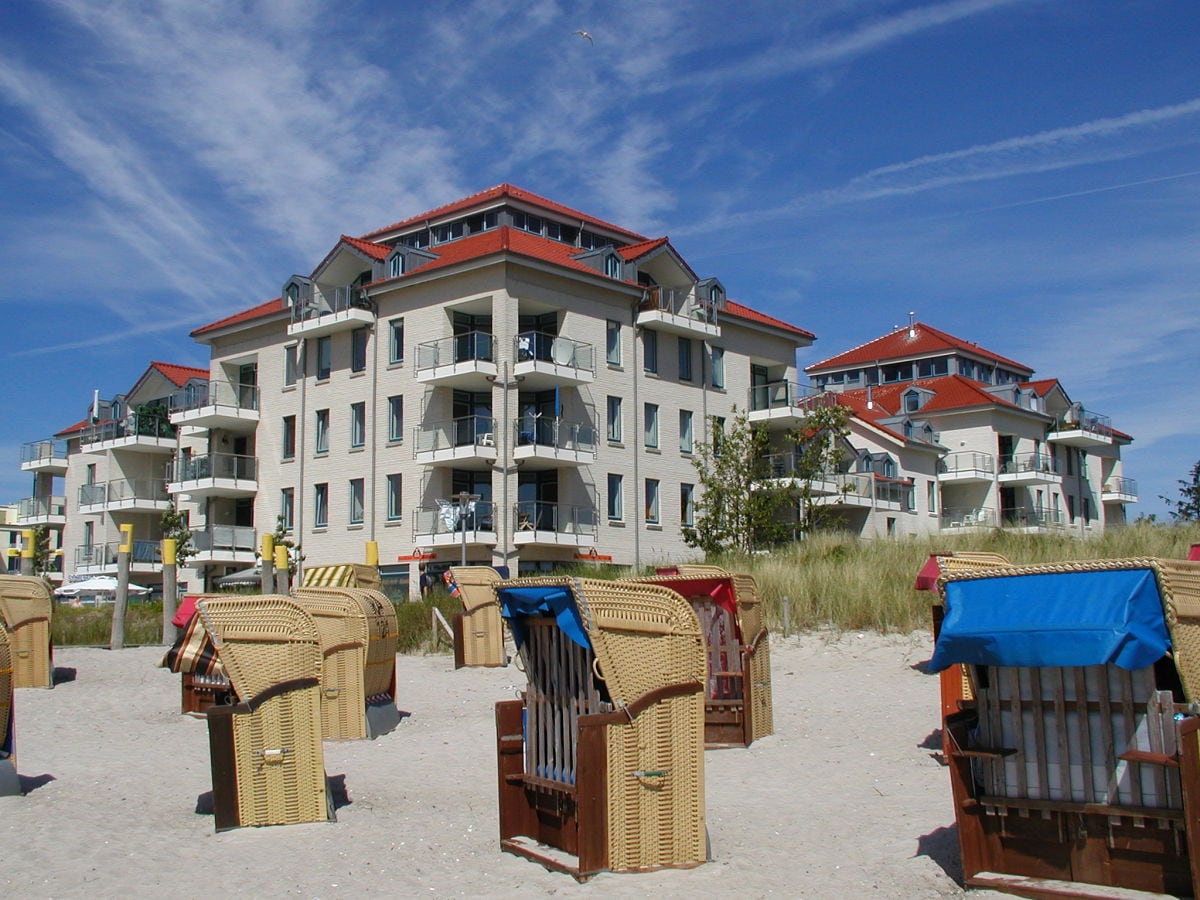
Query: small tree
[175, 527]
[1187, 507]
[819, 449]
[283, 539]
[739, 509]
[42, 555]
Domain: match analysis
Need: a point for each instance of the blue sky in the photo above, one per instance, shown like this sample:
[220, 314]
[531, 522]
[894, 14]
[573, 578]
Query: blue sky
[1020, 173]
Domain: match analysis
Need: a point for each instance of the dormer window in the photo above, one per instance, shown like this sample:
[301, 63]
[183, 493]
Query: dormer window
[396, 266]
[912, 402]
[612, 266]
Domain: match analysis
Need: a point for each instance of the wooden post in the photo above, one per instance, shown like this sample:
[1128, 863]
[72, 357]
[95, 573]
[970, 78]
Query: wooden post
[787, 615]
[267, 574]
[27, 550]
[372, 555]
[170, 591]
[281, 569]
[124, 551]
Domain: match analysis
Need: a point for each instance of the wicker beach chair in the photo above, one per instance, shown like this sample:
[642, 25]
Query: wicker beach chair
[26, 604]
[358, 673]
[601, 764]
[267, 761]
[9, 782]
[1075, 767]
[478, 629]
[737, 702]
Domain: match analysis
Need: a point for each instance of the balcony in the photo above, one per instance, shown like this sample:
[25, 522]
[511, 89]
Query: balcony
[1119, 490]
[326, 310]
[465, 360]
[545, 442]
[1030, 468]
[224, 545]
[554, 524]
[785, 403]
[50, 511]
[455, 441]
[971, 519]
[148, 431]
[966, 466]
[134, 496]
[217, 404]
[1031, 520]
[44, 456]
[214, 475]
[679, 311]
[545, 361]
[1078, 427]
[101, 559]
[443, 526]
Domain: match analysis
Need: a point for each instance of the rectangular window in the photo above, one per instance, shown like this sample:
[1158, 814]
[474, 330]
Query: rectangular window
[394, 496]
[685, 431]
[614, 418]
[356, 501]
[931, 495]
[324, 357]
[289, 365]
[685, 359]
[615, 512]
[651, 426]
[718, 433]
[358, 424]
[652, 501]
[687, 504]
[287, 508]
[358, 350]
[396, 266]
[650, 351]
[395, 418]
[613, 343]
[320, 505]
[289, 437]
[396, 340]
[718, 367]
[322, 432]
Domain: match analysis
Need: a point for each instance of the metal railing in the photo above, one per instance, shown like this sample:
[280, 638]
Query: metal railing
[561, 518]
[152, 424]
[894, 490]
[92, 555]
[1079, 419]
[231, 538]
[447, 519]
[968, 517]
[680, 302]
[471, 346]
[41, 507]
[44, 452]
[529, 346]
[122, 491]
[554, 431]
[789, 394]
[967, 461]
[464, 431]
[1120, 485]
[215, 393]
[318, 300]
[1029, 517]
[1029, 462]
[229, 466]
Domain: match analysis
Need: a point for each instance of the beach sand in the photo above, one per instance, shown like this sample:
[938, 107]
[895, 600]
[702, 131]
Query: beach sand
[846, 800]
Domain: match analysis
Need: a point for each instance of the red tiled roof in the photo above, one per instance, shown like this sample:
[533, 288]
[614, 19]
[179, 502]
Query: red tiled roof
[949, 392]
[1041, 387]
[72, 429]
[496, 193]
[898, 345]
[375, 251]
[178, 375]
[246, 315]
[636, 251]
[738, 311]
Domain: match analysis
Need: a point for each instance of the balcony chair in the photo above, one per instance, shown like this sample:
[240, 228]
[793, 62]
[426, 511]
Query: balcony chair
[478, 630]
[267, 761]
[1075, 767]
[203, 681]
[26, 604]
[358, 672]
[737, 700]
[601, 763]
[10, 783]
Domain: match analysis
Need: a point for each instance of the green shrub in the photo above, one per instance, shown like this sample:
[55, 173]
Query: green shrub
[414, 624]
[91, 626]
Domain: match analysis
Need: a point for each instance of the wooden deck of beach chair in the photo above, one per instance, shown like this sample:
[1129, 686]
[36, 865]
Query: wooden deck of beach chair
[26, 605]
[358, 672]
[737, 700]
[1075, 769]
[601, 764]
[267, 761]
[478, 630]
[357, 575]
[10, 783]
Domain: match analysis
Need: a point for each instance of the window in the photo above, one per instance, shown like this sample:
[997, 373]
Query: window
[912, 401]
[612, 266]
[322, 433]
[718, 367]
[394, 508]
[358, 350]
[685, 359]
[396, 340]
[356, 501]
[396, 266]
[358, 424]
[613, 344]
[687, 504]
[615, 512]
[395, 418]
[287, 508]
[718, 434]
[320, 505]
[685, 431]
[931, 495]
[289, 437]
[614, 418]
[651, 426]
[650, 351]
[289, 365]
[652, 501]
[324, 357]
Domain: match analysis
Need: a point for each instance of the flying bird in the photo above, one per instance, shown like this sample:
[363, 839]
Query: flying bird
[587, 37]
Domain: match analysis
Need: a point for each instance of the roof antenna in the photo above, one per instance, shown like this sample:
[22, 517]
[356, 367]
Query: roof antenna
[912, 331]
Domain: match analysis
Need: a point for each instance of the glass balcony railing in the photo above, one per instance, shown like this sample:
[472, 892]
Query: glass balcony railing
[215, 393]
[537, 346]
[788, 395]
[967, 461]
[122, 491]
[968, 517]
[448, 518]
[44, 452]
[1079, 419]
[1030, 517]
[152, 423]
[555, 432]
[321, 300]
[680, 302]
[42, 507]
[92, 555]
[224, 539]
[1125, 486]
[471, 346]
[465, 431]
[561, 518]
[1029, 463]
[228, 466]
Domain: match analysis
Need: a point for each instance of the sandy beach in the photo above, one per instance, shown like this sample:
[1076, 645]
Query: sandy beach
[846, 800]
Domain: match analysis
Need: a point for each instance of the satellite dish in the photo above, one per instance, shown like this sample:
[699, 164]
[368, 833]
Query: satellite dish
[561, 352]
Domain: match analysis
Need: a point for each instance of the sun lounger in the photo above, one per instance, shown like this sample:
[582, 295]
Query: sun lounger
[9, 782]
[25, 607]
[601, 763]
[478, 630]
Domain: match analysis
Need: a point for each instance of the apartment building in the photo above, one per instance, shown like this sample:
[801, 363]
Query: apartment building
[947, 436]
[502, 379]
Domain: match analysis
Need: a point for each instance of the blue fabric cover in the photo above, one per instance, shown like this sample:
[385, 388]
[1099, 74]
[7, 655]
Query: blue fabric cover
[542, 601]
[1055, 619]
